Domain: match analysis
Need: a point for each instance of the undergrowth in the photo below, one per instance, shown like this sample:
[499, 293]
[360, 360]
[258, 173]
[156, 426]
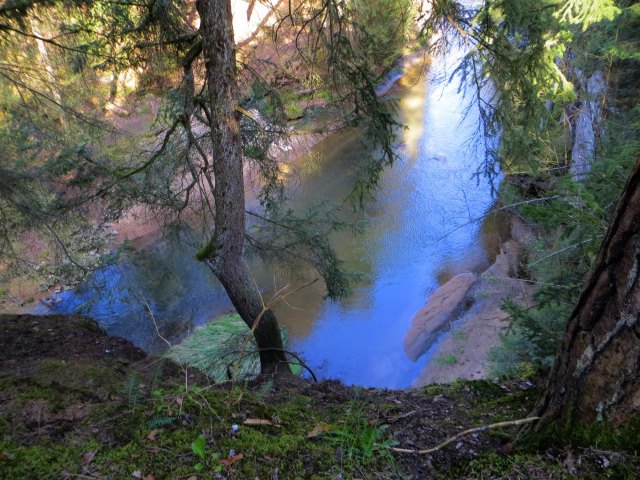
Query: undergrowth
[574, 220]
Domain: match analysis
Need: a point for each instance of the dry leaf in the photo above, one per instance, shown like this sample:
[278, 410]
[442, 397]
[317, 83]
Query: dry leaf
[6, 456]
[87, 457]
[257, 421]
[318, 430]
[152, 435]
[192, 477]
[137, 474]
[179, 399]
[569, 464]
[149, 477]
[231, 460]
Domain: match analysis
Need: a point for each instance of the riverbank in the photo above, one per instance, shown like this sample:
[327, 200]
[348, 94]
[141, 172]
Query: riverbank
[464, 319]
[139, 227]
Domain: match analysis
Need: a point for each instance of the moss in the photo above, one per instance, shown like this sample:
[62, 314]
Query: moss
[36, 392]
[494, 465]
[117, 423]
[293, 111]
[446, 360]
[43, 462]
[89, 379]
[479, 388]
[168, 456]
[205, 252]
[562, 465]
[4, 427]
[507, 407]
[435, 389]
[88, 324]
[625, 438]
[264, 448]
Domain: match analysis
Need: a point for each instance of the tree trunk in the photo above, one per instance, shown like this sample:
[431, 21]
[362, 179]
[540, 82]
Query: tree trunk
[46, 61]
[225, 249]
[596, 375]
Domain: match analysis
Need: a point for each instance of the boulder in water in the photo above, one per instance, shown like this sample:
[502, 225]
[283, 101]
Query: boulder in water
[444, 306]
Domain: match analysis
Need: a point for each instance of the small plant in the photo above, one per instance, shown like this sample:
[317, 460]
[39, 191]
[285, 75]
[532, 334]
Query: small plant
[460, 336]
[361, 440]
[447, 360]
[131, 388]
[222, 349]
[199, 449]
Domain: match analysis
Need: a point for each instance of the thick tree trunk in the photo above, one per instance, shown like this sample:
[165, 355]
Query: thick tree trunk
[225, 257]
[596, 375]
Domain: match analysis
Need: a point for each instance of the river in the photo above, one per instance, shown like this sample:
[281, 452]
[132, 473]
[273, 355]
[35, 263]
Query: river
[420, 231]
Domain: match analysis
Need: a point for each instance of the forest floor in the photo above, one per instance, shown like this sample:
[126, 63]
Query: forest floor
[75, 403]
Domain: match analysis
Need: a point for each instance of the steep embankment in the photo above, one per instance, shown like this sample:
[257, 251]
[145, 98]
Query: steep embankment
[77, 403]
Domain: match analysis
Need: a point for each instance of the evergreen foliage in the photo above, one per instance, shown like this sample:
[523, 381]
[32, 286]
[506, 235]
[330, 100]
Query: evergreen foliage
[223, 349]
[575, 218]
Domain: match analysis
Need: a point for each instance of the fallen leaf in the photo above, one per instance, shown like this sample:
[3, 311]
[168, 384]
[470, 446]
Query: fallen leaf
[257, 421]
[318, 430]
[231, 460]
[569, 464]
[137, 474]
[149, 477]
[152, 435]
[192, 477]
[179, 399]
[6, 456]
[87, 457]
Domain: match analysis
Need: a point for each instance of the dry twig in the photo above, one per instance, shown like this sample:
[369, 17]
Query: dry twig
[492, 426]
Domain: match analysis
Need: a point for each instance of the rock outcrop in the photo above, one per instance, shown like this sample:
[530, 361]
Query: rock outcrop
[445, 304]
[473, 331]
[587, 124]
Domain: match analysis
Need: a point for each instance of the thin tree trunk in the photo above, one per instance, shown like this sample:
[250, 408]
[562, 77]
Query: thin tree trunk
[225, 259]
[46, 61]
[596, 375]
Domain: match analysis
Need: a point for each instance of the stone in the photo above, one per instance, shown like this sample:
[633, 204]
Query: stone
[117, 109]
[444, 306]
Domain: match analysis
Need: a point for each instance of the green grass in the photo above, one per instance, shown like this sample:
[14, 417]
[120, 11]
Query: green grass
[447, 360]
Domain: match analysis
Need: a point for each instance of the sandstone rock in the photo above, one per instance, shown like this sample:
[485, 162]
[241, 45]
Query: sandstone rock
[117, 109]
[521, 232]
[445, 304]
[476, 331]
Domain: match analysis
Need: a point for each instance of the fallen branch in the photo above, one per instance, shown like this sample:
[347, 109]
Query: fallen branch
[492, 426]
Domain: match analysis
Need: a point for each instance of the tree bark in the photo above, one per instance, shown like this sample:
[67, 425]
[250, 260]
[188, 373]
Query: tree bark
[225, 249]
[596, 375]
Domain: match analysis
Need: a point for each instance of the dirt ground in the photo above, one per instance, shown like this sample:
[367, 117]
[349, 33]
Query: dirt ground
[75, 403]
[58, 373]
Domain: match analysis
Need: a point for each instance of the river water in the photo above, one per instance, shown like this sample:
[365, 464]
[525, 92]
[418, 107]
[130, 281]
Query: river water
[420, 231]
